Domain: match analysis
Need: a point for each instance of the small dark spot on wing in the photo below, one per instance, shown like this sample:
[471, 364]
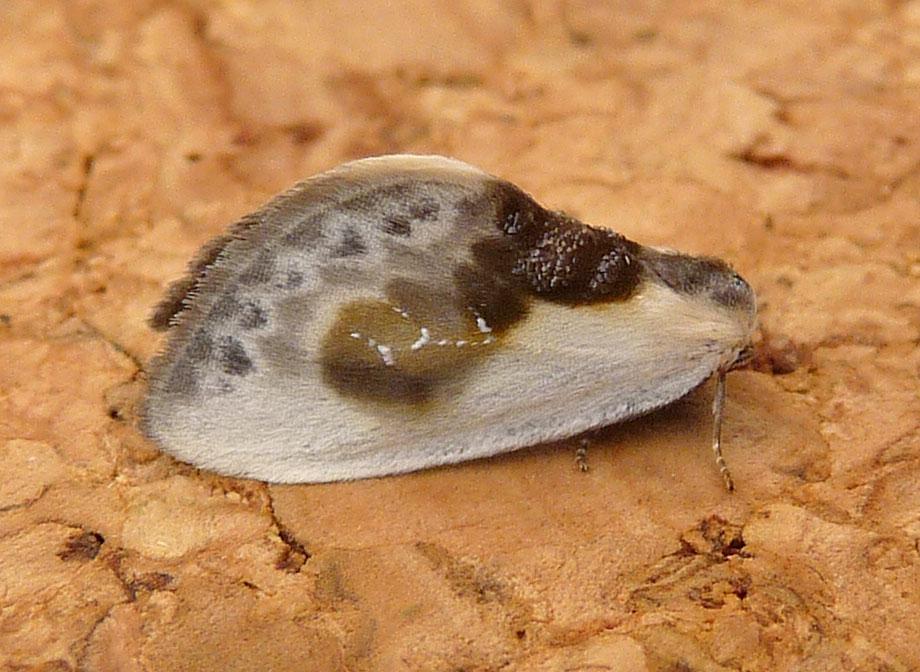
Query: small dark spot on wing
[252, 316]
[352, 244]
[233, 358]
[424, 209]
[405, 208]
[396, 227]
[225, 308]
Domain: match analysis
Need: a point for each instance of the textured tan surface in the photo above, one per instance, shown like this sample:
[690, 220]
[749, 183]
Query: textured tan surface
[784, 136]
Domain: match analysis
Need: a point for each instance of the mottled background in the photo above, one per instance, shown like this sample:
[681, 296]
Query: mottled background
[783, 136]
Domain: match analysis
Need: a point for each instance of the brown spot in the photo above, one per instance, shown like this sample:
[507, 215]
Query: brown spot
[149, 582]
[84, 546]
[466, 579]
[779, 355]
[304, 133]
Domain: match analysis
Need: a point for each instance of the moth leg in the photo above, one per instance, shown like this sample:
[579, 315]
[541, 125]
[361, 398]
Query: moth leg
[717, 404]
[581, 454]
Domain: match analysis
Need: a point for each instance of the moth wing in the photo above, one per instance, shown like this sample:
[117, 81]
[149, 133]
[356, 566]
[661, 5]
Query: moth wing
[345, 331]
[254, 376]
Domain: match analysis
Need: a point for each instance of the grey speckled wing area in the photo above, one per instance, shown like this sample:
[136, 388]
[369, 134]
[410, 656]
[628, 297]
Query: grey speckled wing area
[405, 311]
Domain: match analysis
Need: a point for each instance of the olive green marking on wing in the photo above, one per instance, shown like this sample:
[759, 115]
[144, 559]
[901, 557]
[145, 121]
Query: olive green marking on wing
[378, 351]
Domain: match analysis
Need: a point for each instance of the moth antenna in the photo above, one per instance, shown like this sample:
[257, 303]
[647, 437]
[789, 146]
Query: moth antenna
[717, 430]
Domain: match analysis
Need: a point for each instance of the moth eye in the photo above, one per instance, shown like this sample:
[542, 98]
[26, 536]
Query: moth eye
[615, 274]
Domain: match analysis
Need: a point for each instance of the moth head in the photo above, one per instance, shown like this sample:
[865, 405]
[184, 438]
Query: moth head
[708, 285]
[706, 278]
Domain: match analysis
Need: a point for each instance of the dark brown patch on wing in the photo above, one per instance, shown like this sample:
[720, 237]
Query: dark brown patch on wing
[556, 257]
[496, 298]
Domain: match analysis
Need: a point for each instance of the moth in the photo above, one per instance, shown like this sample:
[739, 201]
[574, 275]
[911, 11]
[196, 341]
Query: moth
[402, 312]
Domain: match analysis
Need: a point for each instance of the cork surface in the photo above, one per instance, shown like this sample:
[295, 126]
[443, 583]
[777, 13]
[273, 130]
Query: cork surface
[782, 136]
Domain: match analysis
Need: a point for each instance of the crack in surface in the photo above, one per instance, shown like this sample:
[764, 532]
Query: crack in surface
[296, 554]
[89, 161]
